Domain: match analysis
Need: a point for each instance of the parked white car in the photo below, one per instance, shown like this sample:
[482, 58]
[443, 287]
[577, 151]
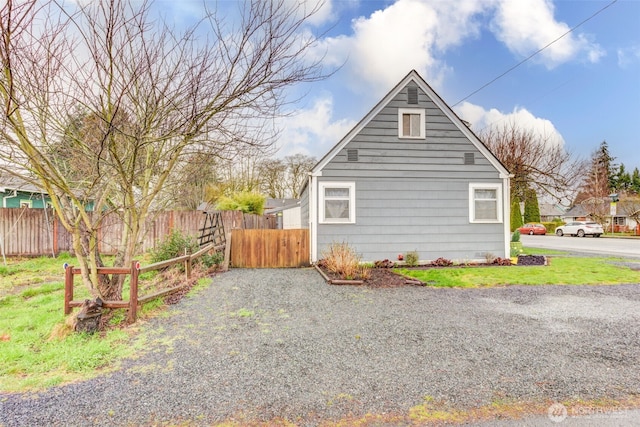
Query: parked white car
[580, 229]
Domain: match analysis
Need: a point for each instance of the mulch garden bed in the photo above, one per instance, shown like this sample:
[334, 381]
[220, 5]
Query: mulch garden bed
[386, 278]
[379, 278]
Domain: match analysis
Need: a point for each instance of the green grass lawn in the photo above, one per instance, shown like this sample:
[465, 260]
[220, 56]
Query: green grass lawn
[563, 270]
[35, 351]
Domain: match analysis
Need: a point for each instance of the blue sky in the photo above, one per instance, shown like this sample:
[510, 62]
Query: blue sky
[581, 90]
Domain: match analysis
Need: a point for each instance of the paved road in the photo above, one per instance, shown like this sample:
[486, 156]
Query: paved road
[602, 246]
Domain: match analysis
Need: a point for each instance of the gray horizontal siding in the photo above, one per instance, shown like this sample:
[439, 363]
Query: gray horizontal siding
[412, 194]
[440, 154]
[427, 215]
[449, 173]
[304, 208]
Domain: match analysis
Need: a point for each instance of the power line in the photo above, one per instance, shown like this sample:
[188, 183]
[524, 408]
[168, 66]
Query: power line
[535, 53]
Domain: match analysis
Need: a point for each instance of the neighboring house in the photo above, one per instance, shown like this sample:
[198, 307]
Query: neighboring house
[19, 193]
[411, 176]
[621, 219]
[286, 211]
[16, 193]
[625, 209]
[576, 213]
[550, 212]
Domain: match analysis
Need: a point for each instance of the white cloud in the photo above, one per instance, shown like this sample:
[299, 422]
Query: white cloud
[323, 10]
[312, 131]
[407, 35]
[628, 56]
[482, 119]
[527, 26]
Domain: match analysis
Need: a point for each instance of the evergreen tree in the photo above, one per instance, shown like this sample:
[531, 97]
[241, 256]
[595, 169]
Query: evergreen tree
[531, 207]
[600, 178]
[516, 216]
[622, 179]
[635, 181]
[605, 161]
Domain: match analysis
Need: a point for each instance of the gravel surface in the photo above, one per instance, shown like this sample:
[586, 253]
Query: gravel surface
[267, 344]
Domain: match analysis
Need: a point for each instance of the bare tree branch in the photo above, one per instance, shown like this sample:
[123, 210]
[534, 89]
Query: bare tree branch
[103, 100]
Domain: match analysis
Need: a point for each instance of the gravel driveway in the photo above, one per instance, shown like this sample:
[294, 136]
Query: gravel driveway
[267, 344]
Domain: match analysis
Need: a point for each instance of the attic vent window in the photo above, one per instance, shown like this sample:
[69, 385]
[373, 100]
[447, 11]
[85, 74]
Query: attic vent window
[412, 95]
[411, 123]
[469, 159]
[352, 155]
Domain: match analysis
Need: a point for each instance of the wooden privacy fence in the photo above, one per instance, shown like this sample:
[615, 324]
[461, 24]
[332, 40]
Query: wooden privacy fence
[37, 232]
[134, 271]
[270, 248]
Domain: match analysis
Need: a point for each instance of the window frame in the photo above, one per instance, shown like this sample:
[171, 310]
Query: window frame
[351, 186]
[26, 204]
[472, 203]
[418, 111]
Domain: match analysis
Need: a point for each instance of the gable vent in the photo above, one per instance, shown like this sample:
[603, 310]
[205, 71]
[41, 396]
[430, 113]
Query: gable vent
[469, 159]
[352, 155]
[412, 95]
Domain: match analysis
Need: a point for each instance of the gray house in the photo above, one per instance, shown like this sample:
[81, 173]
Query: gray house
[409, 176]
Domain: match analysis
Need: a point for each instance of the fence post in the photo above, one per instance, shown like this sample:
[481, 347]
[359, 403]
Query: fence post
[68, 287]
[133, 292]
[187, 265]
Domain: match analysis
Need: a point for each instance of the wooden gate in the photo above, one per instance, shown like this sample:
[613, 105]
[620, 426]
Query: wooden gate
[270, 248]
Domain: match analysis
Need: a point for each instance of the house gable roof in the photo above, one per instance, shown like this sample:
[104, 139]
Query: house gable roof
[413, 76]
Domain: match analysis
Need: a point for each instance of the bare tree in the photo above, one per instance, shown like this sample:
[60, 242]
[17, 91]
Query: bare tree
[298, 168]
[599, 178]
[596, 208]
[631, 207]
[535, 161]
[146, 95]
[186, 188]
[273, 178]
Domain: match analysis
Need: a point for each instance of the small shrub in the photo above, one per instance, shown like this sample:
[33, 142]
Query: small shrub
[173, 246]
[442, 262]
[412, 258]
[342, 260]
[364, 272]
[489, 257]
[176, 244]
[385, 263]
[210, 260]
[516, 249]
[515, 237]
[502, 261]
[245, 201]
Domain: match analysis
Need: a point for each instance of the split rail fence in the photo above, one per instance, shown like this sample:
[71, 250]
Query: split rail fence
[135, 271]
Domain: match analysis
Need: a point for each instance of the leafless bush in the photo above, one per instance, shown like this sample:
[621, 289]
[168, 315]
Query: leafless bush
[341, 259]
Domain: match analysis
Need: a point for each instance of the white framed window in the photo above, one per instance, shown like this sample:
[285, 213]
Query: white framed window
[337, 202]
[25, 203]
[619, 220]
[485, 202]
[411, 123]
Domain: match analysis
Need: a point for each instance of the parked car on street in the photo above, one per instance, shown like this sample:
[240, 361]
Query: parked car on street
[580, 229]
[533, 228]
